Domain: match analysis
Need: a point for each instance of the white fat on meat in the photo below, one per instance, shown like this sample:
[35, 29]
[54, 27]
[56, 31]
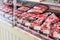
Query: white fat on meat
[46, 31]
[30, 18]
[37, 7]
[57, 35]
[27, 23]
[30, 11]
[37, 27]
[20, 20]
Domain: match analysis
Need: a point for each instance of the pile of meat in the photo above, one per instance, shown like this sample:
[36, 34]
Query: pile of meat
[37, 19]
[8, 11]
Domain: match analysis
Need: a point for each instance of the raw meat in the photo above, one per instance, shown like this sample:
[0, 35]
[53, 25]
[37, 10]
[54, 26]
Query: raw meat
[39, 21]
[35, 11]
[52, 18]
[45, 27]
[42, 8]
[23, 8]
[55, 32]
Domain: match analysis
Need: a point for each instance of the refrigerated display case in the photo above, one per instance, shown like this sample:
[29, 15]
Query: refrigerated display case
[38, 19]
[33, 22]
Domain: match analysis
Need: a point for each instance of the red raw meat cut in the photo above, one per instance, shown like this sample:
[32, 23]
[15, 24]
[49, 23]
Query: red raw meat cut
[52, 18]
[11, 12]
[23, 8]
[39, 21]
[42, 8]
[34, 26]
[18, 13]
[45, 27]
[20, 17]
[41, 18]
[55, 32]
[32, 17]
[25, 14]
[6, 8]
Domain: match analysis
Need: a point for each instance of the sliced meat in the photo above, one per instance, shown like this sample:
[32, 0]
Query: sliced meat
[52, 18]
[45, 27]
[55, 32]
[39, 21]
[23, 8]
[41, 18]
[35, 11]
[18, 13]
[42, 8]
